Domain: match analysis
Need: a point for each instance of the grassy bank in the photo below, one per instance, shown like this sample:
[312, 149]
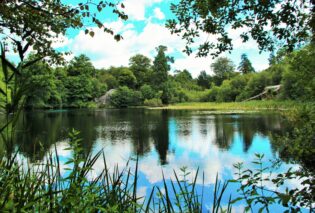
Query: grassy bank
[247, 106]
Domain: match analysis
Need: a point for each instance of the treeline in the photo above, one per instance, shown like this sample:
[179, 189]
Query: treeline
[143, 82]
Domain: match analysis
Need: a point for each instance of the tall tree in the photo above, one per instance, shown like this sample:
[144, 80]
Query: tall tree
[81, 65]
[140, 65]
[124, 76]
[270, 23]
[160, 75]
[246, 66]
[80, 84]
[183, 76]
[42, 85]
[223, 68]
[204, 80]
[161, 66]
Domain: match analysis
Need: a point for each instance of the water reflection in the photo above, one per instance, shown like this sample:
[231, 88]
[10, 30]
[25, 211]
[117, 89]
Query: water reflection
[143, 129]
[165, 140]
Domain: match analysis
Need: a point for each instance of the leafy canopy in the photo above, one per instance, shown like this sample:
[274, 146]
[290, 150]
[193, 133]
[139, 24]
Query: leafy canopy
[270, 23]
[26, 24]
[222, 66]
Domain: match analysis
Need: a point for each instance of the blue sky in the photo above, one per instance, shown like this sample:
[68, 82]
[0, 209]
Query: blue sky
[144, 31]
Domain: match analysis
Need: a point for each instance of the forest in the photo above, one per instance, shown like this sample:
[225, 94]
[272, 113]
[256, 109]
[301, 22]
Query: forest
[79, 84]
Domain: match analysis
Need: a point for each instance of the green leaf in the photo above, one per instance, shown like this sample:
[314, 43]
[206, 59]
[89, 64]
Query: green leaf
[236, 200]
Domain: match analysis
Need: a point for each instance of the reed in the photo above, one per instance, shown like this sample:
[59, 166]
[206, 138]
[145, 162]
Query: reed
[45, 187]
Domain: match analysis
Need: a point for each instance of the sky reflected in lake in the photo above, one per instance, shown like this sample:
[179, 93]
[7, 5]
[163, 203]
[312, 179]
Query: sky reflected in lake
[163, 140]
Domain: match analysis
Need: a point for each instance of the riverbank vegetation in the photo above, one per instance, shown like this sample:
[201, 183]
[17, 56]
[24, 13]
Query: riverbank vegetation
[278, 105]
[80, 84]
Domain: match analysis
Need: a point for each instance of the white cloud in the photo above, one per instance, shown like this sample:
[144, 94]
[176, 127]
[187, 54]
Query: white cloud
[193, 64]
[106, 52]
[158, 13]
[135, 9]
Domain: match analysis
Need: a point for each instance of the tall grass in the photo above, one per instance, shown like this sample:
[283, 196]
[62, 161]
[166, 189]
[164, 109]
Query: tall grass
[249, 105]
[46, 187]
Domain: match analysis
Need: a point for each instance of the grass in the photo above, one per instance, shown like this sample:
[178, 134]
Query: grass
[45, 188]
[239, 106]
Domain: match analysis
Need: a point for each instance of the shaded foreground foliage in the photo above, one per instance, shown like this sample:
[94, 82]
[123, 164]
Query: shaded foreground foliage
[48, 187]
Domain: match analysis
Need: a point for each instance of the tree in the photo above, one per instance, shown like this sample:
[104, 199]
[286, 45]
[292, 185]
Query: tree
[222, 67]
[35, 24]
[183, 77]
[80, 84]
[107, 78]
[269, 23]
[140, 65]
[204, 80]
[160, 73]
[29, 24]
[161, 66]
[81, 65]
[42, 85]
[124, 76]
[246, 66]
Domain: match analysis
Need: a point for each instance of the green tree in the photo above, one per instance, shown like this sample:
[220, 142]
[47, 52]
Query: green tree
[125, 97]
[42, 86]
[147, 92]
[160, 72]
[269, 23]
[223, 68]
[298, 82]
[28, 24]
[185, 80]
[105, 77]
[124, 76]
[81, 65]
[140, 65]
[161, 67]
[204, 80]
[245, 66]
[80, 84]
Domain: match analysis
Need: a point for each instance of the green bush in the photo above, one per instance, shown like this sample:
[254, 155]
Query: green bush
[256, 84]
[298, 81]
[211, 94]
[154, 102]
[147, 92]
[226, 93]
[125, 97]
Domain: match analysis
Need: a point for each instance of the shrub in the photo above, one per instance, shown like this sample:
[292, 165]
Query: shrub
[298, 81]
[211, 94]
[154, 102]
[125, 97]
[147, 92]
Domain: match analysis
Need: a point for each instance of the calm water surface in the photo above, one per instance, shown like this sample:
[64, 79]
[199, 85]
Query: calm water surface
[164, 140]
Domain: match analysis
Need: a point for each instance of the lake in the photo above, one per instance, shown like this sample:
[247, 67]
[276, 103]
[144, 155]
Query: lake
[163, 140]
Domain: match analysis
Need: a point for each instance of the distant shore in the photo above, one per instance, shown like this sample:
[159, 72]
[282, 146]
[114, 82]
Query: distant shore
[239, 106]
